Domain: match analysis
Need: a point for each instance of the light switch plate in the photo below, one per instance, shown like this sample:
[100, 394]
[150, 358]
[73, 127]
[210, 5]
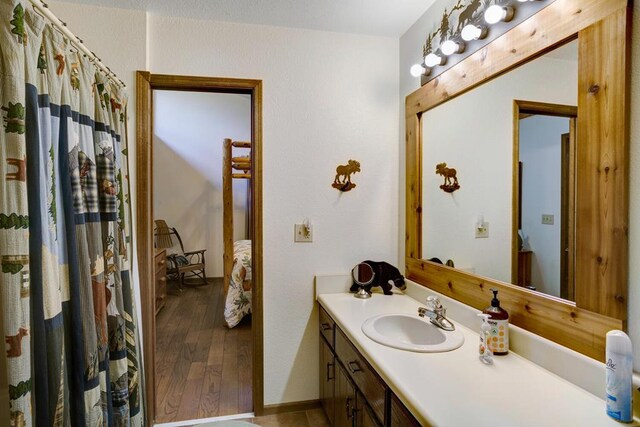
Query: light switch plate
[303, 234]
[482, 231]
[547, 219]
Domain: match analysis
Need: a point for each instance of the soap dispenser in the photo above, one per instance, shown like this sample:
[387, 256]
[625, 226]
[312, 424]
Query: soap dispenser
[486, 356]
[499, 321]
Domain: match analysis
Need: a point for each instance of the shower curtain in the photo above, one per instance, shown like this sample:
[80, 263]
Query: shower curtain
[66, 298]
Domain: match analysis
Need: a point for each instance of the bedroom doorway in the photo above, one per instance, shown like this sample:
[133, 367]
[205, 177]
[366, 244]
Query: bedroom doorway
[202, 368]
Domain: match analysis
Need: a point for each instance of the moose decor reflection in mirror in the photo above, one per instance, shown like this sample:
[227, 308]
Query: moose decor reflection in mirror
[484, 148]
[600, 181]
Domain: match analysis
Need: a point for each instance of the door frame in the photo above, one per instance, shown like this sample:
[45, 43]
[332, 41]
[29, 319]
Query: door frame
[522, 109]
[146, 83]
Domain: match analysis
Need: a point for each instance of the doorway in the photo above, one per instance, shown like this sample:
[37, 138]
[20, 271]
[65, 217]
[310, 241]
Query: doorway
[544, 216]
[180, 392]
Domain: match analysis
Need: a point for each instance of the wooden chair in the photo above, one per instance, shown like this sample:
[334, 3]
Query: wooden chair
[180, 264]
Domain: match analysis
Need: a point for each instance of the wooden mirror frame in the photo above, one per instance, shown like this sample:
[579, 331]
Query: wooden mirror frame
[602, 198]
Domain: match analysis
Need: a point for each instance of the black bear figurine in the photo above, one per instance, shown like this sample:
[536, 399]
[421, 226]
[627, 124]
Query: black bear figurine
[383, 274]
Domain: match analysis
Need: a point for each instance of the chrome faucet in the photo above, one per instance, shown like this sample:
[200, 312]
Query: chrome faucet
[436, 312]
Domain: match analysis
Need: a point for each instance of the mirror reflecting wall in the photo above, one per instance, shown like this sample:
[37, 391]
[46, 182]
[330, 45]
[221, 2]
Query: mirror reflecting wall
[489, 132]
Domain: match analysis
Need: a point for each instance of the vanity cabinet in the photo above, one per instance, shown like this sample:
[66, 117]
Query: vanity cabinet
[351, 406]
[365, 378]
[327, 379]
[400, 416]
[351, 392]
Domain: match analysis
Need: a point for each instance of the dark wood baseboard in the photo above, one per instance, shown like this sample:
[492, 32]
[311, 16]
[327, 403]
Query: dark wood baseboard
[279, 408]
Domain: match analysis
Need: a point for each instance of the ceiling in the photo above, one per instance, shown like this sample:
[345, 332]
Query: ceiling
[390, 18]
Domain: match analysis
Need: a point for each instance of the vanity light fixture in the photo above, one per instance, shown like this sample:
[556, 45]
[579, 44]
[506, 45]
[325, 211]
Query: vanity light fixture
[496, 13]
[473, 32]
[431, 60]
[418, 70]
[450, 47]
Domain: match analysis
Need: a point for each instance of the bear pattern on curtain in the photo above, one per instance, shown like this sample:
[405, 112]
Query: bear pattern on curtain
[66, 298]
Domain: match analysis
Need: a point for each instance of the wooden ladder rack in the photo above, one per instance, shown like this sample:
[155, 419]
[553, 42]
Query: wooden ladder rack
[229, 164]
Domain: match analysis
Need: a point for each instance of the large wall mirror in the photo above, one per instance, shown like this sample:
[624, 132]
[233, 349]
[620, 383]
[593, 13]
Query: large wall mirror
[535, 125]
[481, 143]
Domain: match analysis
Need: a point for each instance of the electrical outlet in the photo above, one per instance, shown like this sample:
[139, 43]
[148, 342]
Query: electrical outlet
[303, 233]
[547, 219]
[482, 230]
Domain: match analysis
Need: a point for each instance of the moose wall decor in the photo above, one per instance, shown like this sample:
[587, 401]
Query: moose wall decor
[342, 181]
[450, 177]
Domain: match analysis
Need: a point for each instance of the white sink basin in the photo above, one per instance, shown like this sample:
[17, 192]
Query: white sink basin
[410, 332]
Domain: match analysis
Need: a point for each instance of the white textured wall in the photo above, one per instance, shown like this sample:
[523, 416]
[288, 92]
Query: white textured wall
[541, 157]
[327, 98]
[410, 51]
[473, 133]
[188, 129]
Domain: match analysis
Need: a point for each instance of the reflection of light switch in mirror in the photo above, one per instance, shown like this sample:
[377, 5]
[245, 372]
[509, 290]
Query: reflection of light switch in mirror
[482, 228]
[547, 219]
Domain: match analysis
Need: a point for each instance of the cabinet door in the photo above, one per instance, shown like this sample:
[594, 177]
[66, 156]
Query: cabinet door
[345, 401]
[327, 379]
[400, 415]
[365, 415]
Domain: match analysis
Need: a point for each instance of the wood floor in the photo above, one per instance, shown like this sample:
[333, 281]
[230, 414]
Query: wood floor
[203, 369]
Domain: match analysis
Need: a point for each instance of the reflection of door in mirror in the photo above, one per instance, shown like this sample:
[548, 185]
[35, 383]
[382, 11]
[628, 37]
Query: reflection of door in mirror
[545, 146]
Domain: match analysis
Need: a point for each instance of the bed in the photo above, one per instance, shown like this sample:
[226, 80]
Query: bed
[237, 255]
[238, 298]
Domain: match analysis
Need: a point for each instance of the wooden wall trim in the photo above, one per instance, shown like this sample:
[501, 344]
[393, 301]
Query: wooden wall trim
[257, 244]
[577, 327]
[202, 84]
[305, 405]
[144, 236]
[413, 214]
[603, 167]
[145, 84]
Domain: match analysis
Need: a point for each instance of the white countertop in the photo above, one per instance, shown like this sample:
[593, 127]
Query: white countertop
[455, 388]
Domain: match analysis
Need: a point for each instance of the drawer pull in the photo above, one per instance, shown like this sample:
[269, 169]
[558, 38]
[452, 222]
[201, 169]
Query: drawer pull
[329, 366]
[354, 366]
[163, 279]
[325, 327]
[162, 262]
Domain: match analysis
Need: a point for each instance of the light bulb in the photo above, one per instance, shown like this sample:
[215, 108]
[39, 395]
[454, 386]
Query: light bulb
[495, 14]
[471, 32]
[450, 47]
[431, 60]
[417, 70]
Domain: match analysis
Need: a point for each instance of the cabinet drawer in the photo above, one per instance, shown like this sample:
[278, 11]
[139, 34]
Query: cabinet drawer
[160, 260]
[327, 327]
[400, 415]
[371, 386]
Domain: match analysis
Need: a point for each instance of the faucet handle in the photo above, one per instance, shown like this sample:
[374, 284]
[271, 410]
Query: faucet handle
[434, 302]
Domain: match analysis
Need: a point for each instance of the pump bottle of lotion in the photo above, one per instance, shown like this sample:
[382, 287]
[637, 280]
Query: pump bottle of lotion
[619, 376]
[499, 321]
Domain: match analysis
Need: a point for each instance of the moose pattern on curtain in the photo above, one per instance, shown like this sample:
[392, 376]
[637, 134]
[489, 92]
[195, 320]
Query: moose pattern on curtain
[66, 298]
